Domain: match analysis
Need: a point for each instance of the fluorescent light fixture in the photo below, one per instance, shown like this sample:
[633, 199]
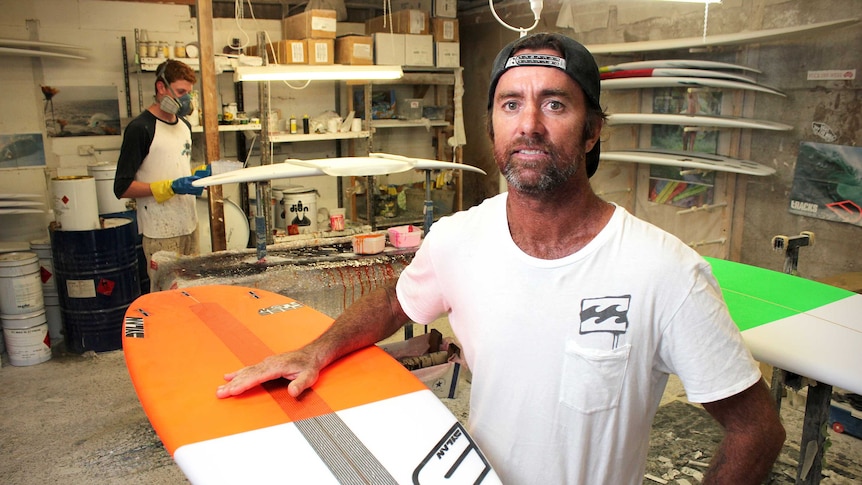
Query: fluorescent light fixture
[331, 72]
[695, 1]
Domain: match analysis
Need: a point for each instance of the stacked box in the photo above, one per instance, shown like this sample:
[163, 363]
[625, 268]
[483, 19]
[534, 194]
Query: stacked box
[286, 52]
[444, 8]
[444, 30]
[354, 50]
[321, 51]
[311, 24]
[447, 54]
[419, 50]
[400, 22]
[389, 49]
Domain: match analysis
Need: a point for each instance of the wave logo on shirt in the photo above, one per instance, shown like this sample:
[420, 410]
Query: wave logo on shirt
[605, 314]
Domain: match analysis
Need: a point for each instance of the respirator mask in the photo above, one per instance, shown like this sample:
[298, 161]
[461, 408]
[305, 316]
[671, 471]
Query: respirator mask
[175, 105]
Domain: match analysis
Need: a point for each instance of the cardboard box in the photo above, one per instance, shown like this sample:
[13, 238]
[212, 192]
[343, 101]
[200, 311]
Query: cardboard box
[321, 51]
[311, 24]
[447, 54]
[354, 50]
[402, 22]
[349, 28]
[286, 52]
[389, 49]
[419, 50]
[444, 8]
[444, 30]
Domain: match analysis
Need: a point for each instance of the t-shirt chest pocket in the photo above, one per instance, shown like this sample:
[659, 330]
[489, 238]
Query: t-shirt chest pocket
[592, 379]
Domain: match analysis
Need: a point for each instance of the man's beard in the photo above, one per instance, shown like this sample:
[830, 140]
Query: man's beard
[559, 167]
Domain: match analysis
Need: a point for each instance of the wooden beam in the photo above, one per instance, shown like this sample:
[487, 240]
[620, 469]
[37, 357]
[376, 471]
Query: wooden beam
[209, 98]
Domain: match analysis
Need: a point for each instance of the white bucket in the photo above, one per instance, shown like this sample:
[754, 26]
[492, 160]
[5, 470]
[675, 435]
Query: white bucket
[76, 206]
[27, 340]
[107, 202]
[300, 208]
[42, 248]
[54, 316]
[20, 283]
[277, 208]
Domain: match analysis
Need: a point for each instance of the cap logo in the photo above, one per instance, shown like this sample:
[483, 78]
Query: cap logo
[536, 60]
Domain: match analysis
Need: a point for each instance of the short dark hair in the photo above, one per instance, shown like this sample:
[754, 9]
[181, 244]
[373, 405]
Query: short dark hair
[173, 70]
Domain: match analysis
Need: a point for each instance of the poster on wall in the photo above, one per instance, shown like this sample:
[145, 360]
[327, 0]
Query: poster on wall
[827, 183]
[670, 185]
[81, 110]
[22, 150]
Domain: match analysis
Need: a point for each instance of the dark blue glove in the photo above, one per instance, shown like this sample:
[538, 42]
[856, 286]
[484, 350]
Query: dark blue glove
[203, 171]
[183, 185]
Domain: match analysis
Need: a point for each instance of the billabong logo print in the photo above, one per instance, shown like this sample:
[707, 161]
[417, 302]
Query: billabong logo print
[605, 314]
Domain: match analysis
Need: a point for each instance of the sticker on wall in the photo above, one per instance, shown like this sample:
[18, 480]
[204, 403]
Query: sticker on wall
[824, 131]
[22, 150]
[81, 111]
[827, 183]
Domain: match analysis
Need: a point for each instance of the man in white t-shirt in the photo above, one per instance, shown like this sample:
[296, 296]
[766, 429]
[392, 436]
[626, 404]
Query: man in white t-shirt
[154, 166]
[571, 312]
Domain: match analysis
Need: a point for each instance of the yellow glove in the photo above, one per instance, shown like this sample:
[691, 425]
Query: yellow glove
[162, 190]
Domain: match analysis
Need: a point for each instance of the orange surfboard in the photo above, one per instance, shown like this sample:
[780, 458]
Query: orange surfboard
[366, 420]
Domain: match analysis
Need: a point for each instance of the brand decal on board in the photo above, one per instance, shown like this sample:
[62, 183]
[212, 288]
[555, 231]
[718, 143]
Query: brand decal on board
[455, 459]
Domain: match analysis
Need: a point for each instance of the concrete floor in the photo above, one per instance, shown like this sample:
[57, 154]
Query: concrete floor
[76, 419]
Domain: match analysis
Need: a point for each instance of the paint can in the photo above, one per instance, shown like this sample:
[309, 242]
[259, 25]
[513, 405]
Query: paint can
[76, 206]
[143, 276]
[20, 283]
[42, 248]
[97, 280]
[104, 173]
[26, 336]
[277, 208]
[300, 208]
[54, 317]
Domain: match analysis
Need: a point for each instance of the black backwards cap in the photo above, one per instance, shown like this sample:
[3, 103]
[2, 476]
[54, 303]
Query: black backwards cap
[576, 61]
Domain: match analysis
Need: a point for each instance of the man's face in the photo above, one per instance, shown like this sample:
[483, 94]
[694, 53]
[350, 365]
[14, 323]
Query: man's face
[538, 117]
[181, 87]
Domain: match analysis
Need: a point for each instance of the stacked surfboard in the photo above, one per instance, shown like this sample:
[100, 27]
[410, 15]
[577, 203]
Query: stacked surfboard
[35, 48]
[694, 73]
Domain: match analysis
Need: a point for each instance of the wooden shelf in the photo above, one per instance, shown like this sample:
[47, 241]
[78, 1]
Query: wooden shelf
[283, 137]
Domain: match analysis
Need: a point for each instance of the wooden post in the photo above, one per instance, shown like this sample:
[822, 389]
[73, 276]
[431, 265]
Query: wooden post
[209, 100]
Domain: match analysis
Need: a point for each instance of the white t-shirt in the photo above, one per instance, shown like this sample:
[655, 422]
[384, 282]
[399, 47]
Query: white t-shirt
[570, 357]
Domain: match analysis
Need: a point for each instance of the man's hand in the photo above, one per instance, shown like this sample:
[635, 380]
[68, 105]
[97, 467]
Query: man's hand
[298, 367]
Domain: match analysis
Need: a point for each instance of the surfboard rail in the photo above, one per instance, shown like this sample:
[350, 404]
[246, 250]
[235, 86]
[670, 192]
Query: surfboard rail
[694, 160]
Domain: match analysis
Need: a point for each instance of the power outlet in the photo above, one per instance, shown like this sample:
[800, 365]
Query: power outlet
[85, 150]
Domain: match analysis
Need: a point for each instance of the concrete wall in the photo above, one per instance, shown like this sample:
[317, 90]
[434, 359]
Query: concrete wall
[757, 207]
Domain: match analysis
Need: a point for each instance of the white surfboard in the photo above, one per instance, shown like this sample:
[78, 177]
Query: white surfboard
[685, 82]
[752, 37]
[37, 43]
[675, 72]
[677, 63]
[674, 158]
[11, 51]
[378, 164]
[694, 120]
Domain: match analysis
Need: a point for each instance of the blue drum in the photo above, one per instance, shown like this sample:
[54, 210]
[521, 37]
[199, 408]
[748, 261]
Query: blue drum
[97, 280]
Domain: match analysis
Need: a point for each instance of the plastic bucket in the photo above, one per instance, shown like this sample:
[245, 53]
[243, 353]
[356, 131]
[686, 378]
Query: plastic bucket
[42, 248]
[27, 340]
[76, 206]
[107, 202]
[20, 283]
[300, 208]
[97, 279]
